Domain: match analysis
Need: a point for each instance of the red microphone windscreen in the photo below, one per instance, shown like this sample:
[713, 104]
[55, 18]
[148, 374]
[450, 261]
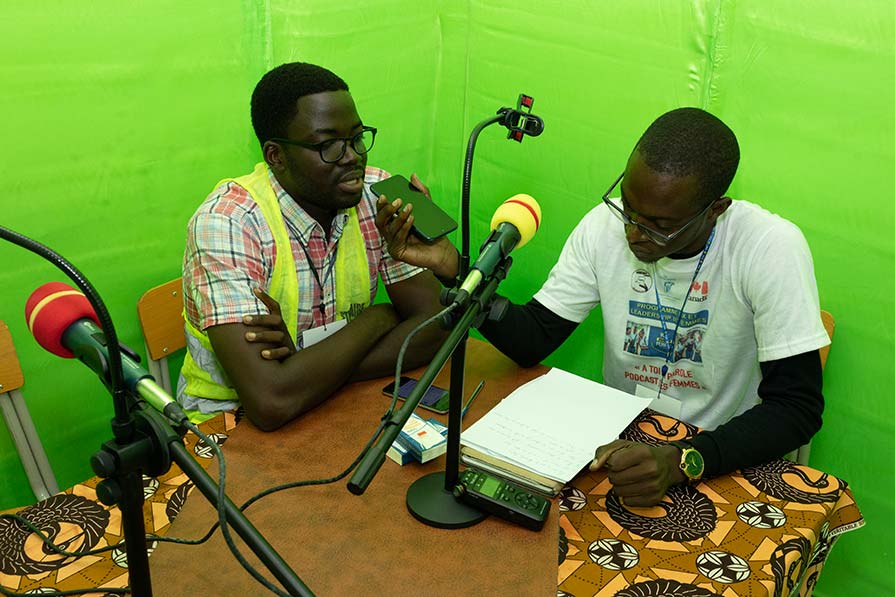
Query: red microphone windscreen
[51, 309]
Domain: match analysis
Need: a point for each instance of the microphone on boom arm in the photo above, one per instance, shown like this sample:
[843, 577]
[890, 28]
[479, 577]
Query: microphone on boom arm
[62, 321]
[514, 223]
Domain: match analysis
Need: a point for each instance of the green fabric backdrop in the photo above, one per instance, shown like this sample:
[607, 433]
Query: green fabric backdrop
[118, 119]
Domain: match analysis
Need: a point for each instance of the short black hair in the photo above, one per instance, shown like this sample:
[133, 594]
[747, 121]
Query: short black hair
[276, 94]
[690, 141]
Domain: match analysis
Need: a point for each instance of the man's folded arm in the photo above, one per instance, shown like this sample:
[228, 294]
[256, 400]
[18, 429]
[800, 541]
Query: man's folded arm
[275, 392]
[415, 299]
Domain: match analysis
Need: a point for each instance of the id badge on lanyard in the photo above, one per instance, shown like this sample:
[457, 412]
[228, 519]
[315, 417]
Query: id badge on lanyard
[661, 403]
[321, 332]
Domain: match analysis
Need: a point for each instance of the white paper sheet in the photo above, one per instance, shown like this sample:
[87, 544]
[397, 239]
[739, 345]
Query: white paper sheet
[553, 424]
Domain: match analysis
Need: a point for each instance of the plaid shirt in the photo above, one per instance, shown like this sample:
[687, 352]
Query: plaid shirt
[230, 250]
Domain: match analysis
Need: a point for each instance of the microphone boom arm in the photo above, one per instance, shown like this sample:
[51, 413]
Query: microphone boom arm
[425, 500]
[375, 457]
[158, 444]
[144, 442]
[116, 376]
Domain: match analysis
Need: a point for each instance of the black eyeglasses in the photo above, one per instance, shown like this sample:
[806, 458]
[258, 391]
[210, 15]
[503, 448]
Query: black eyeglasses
[657, 237]
[332, 150]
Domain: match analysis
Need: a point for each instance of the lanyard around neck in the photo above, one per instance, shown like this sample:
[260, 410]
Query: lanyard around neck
[320, 282]
[670, 343]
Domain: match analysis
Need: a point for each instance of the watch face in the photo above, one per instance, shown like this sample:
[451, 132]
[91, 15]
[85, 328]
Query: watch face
[692, 464]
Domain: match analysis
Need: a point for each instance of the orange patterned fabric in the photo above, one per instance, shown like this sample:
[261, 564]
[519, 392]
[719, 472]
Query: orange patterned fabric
[76, 521]
[760, 531]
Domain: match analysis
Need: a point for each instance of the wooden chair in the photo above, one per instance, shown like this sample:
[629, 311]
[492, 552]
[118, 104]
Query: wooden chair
[160, 311]
[18, 421]
[801, 455]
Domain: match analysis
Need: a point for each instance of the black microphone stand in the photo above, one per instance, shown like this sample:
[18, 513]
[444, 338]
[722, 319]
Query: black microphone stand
[431, 498]
[145, 441]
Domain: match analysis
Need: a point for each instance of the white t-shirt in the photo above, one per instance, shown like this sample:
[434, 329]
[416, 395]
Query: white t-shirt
[754, 300]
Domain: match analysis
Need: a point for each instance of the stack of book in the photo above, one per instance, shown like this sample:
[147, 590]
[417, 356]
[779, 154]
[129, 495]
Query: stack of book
[420, 440]
[547, 430]
[510, 471]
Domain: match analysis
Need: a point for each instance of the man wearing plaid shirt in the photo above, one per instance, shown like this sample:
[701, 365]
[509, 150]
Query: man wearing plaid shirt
[295, 244]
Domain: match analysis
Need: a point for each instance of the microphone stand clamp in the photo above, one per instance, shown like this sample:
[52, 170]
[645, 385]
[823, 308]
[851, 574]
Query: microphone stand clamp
[491, 307]
[519, 121]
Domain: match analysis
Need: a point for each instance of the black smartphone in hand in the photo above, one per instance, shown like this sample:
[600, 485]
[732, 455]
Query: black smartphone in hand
[430, 222]
[435, 399]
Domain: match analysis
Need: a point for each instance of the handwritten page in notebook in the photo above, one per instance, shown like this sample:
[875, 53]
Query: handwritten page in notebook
[553, 424]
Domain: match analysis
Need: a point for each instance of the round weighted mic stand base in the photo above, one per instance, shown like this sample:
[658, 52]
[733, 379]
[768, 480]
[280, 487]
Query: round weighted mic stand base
[432, 504]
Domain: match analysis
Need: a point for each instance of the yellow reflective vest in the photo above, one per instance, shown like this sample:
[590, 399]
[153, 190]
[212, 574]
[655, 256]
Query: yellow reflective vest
[201, 371]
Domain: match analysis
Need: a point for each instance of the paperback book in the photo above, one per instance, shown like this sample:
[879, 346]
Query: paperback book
[420, 440]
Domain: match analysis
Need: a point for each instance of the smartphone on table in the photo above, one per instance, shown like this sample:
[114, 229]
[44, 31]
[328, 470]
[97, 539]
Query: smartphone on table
[435, 399]
[430, 222]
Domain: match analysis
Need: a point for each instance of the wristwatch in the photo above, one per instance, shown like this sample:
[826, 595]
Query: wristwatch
[692, 463]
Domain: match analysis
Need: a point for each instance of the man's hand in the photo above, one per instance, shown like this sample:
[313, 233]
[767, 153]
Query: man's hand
[639, 473]
[395, 225]
[275, 331]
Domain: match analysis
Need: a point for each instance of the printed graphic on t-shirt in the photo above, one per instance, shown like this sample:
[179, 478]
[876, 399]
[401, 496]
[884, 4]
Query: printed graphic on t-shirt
[641, 280]
[651, 341]
[699, 292]
[647, 336]
[650, 375]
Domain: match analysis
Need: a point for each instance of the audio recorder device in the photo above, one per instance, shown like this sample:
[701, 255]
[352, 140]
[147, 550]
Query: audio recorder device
[501, 498]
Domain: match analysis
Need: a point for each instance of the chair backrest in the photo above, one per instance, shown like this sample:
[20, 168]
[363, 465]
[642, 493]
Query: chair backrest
[830, 326]
[802, 454]
[160, 311]
[18, 420]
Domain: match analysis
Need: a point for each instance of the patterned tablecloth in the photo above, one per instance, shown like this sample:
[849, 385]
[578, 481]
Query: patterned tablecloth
[76, 521]
[765, 530]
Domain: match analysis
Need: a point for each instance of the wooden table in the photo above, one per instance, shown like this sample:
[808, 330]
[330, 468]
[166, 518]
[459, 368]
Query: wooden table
[342, 544]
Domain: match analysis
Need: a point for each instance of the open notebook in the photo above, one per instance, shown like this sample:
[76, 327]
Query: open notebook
[546, 431]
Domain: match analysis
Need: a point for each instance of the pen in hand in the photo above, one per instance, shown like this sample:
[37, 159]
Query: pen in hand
[475, 393]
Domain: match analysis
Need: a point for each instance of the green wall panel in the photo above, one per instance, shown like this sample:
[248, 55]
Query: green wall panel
[387, 53]
[809, 88]
[118, 120]
[599, 73]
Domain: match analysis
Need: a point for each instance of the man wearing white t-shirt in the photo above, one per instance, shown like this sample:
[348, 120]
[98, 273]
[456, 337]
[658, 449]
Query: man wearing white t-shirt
[667, 253]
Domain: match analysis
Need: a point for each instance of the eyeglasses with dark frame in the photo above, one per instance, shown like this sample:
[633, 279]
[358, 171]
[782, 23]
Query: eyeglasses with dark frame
[333, 150]
[657, 237]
